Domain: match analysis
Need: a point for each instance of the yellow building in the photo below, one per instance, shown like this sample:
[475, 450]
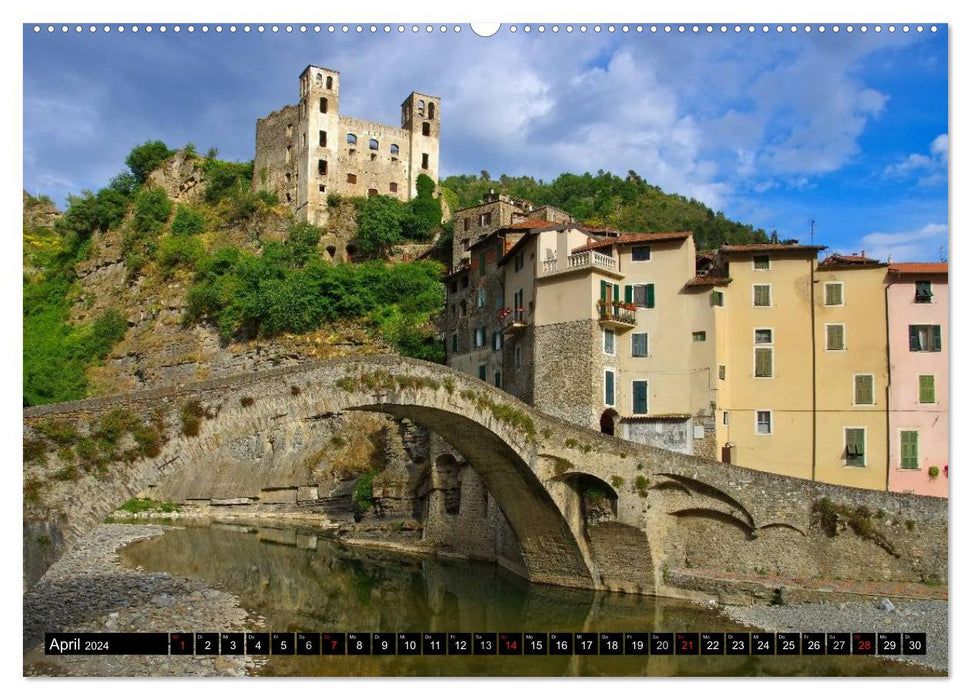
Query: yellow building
[764, 356]
[852, 372]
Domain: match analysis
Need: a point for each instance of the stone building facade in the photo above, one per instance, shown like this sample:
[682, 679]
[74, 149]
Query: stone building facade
[309, 151]
[496, 211]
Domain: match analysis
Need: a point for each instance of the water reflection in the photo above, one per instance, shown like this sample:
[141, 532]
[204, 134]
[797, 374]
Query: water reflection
[299, 580]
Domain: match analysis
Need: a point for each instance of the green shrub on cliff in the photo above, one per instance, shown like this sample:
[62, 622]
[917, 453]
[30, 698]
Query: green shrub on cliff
[143, 159]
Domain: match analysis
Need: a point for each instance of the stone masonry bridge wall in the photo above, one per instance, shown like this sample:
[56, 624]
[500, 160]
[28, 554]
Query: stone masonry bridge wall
[672, 512]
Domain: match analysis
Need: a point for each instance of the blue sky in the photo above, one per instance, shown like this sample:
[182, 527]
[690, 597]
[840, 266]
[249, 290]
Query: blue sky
[850, 130]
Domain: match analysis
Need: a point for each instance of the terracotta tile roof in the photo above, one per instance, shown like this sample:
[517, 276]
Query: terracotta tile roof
[767, 247]
[629, 238]
[702, 281]
[849, 262]
[527, 224]
[919, 268]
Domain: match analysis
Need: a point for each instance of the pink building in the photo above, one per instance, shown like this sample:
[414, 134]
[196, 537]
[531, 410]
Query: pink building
[917, 322]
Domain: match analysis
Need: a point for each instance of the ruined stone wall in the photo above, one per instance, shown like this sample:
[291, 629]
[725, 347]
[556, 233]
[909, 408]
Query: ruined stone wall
[273, 170]
[373, 169]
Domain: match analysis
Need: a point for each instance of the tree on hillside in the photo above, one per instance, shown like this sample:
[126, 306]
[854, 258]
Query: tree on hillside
[379, 221]
[142, 160]
[424, 212]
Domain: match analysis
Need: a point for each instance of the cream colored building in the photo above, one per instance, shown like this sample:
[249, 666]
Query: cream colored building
[607, 334]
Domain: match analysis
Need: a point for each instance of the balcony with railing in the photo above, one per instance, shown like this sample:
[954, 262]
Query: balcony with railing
[575, 262]
[616, 315]
[512, 320]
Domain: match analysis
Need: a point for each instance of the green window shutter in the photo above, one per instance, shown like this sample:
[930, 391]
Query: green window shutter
[603, 290]
[650, 296]
[854, 447]
[616, 292]
[639, 391]
[908, 449]
[914, 338]
[927, 388]
[609, 388]
[864, 389]
[628, 294]
[936, 338]
[834, 337]
[763, 362]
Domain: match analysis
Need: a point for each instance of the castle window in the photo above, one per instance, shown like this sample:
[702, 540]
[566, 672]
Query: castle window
[371, 192]
[394, 149]
[431, 110]
[321, 188]
[421, 108]
[289, 155]
[287, 177]
[289, 130]
[323, 138]
[426, 129]
[320, 79]
[352, 178]
[289, 198]
[352, 139]
[424, 161]
[321, 167]
[394, 187]
[467, 223]
[323, 105]
[330, 83]
[373, 144]
[374, 156]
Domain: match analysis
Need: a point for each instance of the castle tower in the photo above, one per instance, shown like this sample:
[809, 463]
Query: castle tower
[320, 141]
[421, 117]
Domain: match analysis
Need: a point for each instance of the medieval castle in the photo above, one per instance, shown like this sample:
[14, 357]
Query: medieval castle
[308, 151]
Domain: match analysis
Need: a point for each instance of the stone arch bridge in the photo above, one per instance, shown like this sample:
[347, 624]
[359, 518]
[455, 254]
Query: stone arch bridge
[678, 525]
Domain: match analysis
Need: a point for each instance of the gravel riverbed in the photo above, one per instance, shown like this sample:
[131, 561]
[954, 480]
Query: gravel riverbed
[88, 590]
[929, 616]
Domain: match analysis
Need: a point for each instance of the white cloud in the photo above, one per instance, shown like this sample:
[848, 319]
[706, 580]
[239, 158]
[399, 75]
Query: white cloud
[927, 168]
[917, 245]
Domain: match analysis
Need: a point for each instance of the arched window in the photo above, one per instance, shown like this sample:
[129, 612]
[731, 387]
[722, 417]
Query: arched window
[394, 149]
[421, 108]
[330, 82]
[431, 110]
[373, 144]
[352, 139]
[426, 129]
[319, 78]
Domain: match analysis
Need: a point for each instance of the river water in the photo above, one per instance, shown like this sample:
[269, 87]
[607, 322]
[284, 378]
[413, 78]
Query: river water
[301, 581]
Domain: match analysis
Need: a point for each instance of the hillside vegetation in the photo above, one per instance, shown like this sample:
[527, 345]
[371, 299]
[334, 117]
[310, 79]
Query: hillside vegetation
[239, 280]
[626, 204]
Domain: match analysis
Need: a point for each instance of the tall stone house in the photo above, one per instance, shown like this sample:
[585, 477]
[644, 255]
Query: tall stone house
[494, 212]
[758, 355]
[308, 151]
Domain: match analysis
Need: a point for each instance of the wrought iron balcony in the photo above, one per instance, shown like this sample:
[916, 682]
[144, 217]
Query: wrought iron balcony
[616, 315]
